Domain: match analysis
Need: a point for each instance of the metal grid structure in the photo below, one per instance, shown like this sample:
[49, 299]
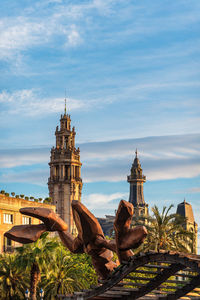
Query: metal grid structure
[151, 275]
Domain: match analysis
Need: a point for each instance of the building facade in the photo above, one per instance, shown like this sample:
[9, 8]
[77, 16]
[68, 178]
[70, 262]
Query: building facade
[185, 209]
[10, 216]
[136, 195]
[65, 183]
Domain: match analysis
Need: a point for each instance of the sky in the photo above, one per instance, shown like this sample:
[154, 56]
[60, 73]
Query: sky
[131, 72]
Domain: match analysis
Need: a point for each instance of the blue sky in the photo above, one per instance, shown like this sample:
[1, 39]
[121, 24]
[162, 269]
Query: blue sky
[131, 71]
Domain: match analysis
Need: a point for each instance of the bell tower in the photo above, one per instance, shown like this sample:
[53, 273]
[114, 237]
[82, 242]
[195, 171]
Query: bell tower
[65, 183]
[136, 180]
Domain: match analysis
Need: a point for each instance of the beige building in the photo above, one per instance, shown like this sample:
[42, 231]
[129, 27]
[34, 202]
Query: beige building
[65, 183]
[10, 216]
[185, 209]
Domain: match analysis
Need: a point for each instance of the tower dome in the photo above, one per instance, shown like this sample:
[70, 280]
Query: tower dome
[185, 209]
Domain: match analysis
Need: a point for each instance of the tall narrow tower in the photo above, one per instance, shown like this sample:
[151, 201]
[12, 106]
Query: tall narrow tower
[65, 183]
[136, 180]
[185, 209]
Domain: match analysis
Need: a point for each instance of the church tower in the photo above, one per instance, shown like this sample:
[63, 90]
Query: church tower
[65, 183]
[185, 209]
[136, 180]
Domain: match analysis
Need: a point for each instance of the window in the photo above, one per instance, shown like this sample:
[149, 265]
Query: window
[7, 245]
[57, 171]
[66, 142]
[77, 172]
[26, 220]
[67, 172]
[8, 218]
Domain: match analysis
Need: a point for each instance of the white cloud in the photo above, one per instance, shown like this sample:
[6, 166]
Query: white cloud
[73, 36]
[18, 35]
[23, 157]
[31, 103]
[23, 33]
[98, 202]
[30, 28]
[40, 24]
[162, 158]
[39, 177]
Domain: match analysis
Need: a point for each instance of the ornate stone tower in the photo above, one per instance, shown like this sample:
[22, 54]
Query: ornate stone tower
[136, 180]
[185, 209]
[65, 183]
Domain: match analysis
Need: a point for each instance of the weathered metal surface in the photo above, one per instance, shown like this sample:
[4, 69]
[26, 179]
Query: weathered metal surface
[162, 266]
[146, 276]
[90, 239]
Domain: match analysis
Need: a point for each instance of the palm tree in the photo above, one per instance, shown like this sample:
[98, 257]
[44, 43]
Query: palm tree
[68, 273]
[166, 232]
[13, 281]
[34, 257]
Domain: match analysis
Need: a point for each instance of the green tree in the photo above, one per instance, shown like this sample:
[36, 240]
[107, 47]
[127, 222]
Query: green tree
[166, 232]
[47, 200]
[68, 273]
[12, 279]
[34, 258]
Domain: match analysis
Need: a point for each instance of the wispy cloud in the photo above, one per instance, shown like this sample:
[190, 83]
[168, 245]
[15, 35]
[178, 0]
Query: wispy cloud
[23, 33]
[31, 103]
[162, 158]
[23, 157]
[31, 29]
[97, 202]
[38, 177]
[72, 22]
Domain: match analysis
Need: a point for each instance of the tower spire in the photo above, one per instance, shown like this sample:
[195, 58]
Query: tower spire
[65, 103]
[136, 180]
[65, 183]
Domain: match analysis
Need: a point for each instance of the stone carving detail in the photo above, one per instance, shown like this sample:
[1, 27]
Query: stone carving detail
[90, 239]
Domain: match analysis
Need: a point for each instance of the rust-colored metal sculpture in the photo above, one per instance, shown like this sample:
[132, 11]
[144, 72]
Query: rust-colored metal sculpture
[90, 239]
[127, 238]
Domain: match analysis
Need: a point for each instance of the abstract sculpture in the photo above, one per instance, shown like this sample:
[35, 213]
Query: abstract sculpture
[90, 239]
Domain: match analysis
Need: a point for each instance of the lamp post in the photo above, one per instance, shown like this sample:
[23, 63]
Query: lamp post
[27, 293]
[41, 294]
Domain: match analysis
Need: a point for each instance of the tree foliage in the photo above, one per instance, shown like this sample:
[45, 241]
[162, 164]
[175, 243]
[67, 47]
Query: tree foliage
[12, 278]
[47, 264]
[166, 231]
